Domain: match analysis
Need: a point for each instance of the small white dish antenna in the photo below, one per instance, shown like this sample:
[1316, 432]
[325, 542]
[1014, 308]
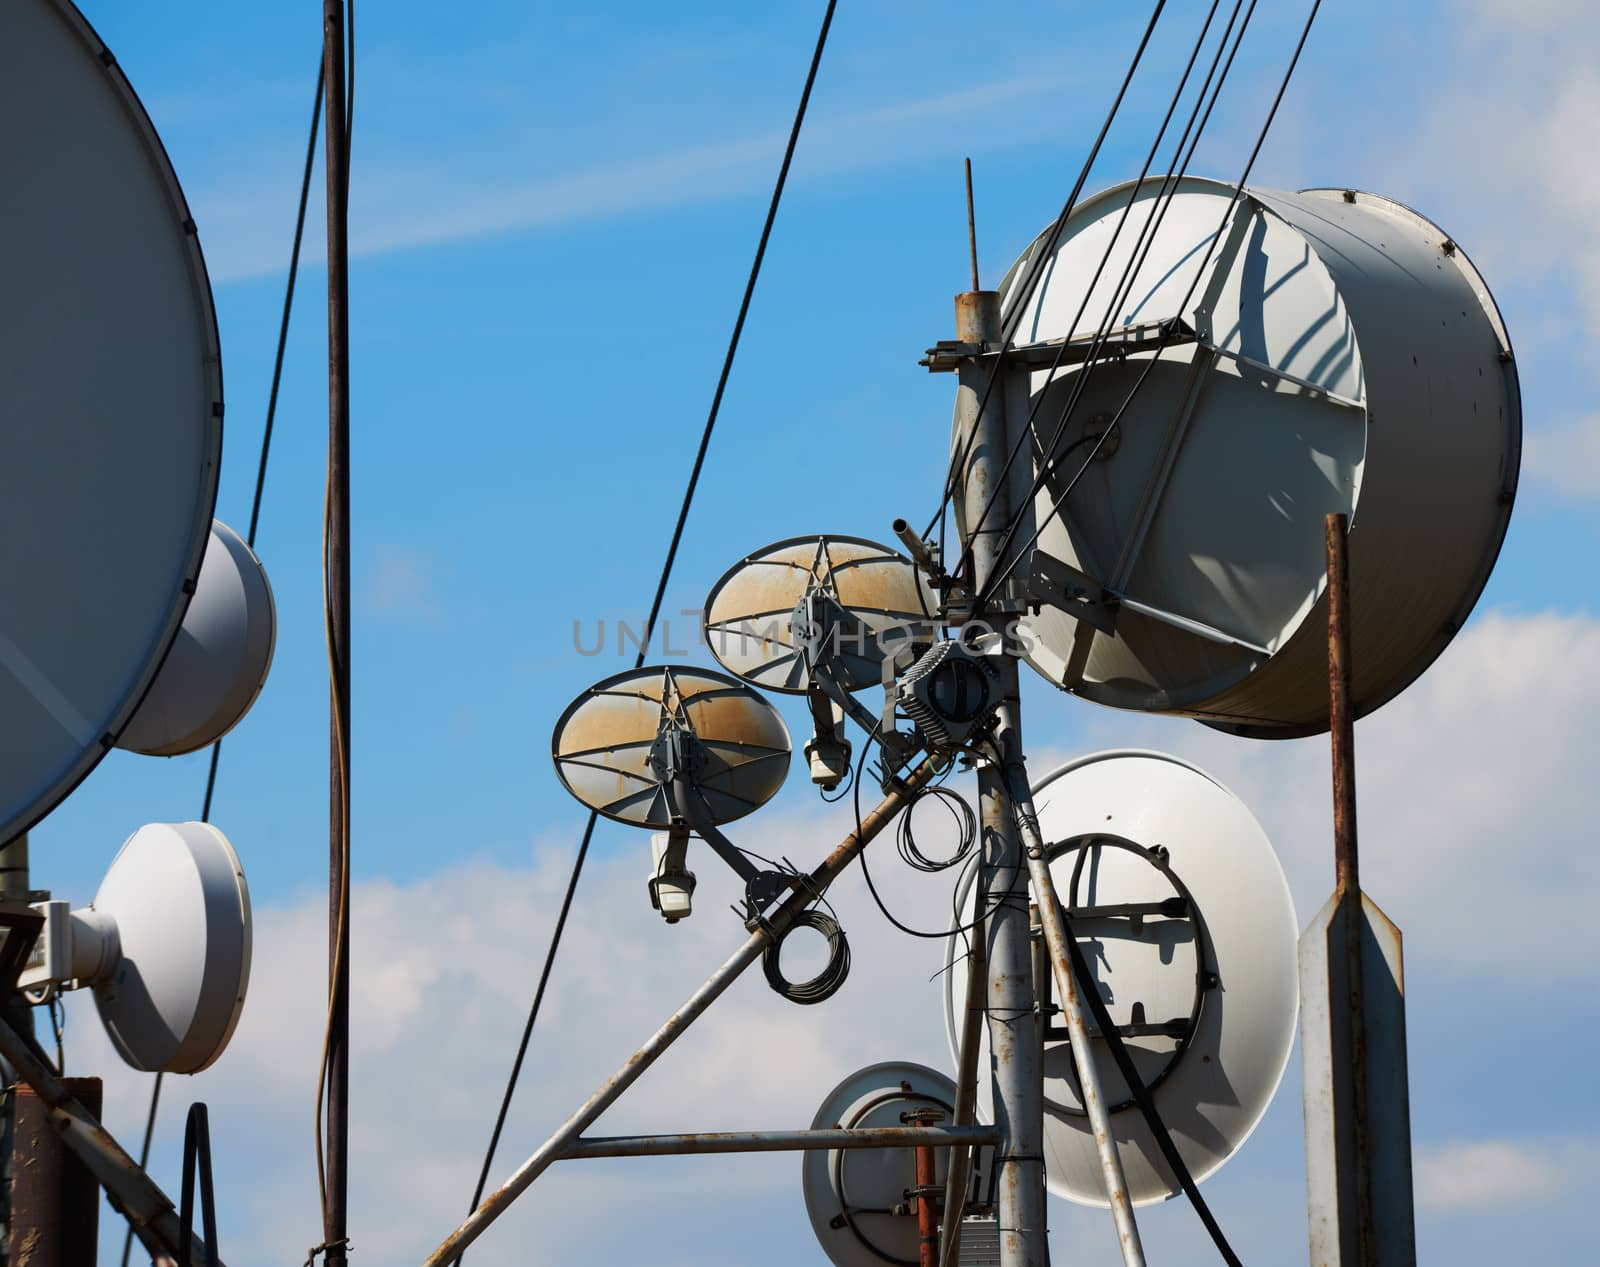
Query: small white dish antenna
[219, 662]
[861, 600]
[1339, 354]
[1185, 919]
[110, 407]
[609, 745]
[165, 944]
[850, 1192]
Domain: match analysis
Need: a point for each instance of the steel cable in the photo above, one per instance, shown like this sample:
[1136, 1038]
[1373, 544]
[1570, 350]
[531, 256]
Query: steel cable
[1058, 502]
[1035, 269]
[1103, 330]
[661, 589]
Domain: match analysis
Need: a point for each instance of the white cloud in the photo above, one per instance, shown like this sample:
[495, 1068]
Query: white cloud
[1502, 1174]
[1476, 793]
[404, 200]
[1566, 459]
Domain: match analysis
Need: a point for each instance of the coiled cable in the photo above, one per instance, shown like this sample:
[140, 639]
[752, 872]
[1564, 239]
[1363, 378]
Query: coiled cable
[826, 983]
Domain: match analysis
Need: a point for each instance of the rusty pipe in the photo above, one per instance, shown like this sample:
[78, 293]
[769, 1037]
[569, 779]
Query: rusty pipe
[1342, 734]
[498, 1201]
[778, 1141]
[927, 1221]
[1055, 936]
[130, 1189]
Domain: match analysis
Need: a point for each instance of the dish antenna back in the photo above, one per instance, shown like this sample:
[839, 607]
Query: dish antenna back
[219, 663]
[610, 751]
[110, 406]
[1340, 354]
[853, 598]
[1185, 919]
[856, 1197]
[165, 944]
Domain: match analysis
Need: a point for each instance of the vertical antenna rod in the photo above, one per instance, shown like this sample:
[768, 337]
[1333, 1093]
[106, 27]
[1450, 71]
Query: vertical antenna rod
[337, 599]
[972, 230]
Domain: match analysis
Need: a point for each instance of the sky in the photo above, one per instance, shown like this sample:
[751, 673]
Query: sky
[553, 210]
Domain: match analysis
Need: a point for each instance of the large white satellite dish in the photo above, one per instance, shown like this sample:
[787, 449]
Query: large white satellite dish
[1205, 991]
[850, 1193]
[110, 406]
[881, 601]
[219, 663]
[165, 945]
[1340, 354]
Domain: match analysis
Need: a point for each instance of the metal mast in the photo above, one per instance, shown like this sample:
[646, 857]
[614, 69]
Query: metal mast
[1014, 1040]
[337, 598]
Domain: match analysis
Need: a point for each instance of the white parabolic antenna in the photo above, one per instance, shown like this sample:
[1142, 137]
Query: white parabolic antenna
[219, 662]
[850, 1192]
[1204, 991]
[1338, 354]
[749, 614]
[604, 743]
[110, 406]
[165, 945]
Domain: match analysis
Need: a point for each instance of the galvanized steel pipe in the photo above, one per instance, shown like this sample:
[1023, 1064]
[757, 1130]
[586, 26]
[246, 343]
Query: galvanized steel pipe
[780, 1141]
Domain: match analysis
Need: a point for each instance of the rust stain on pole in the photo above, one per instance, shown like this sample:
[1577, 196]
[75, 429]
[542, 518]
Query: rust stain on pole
[1347, 867]
[927, 1221]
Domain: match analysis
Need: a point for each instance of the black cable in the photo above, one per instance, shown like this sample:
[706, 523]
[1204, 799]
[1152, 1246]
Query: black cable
[661, 589]
[1283, 86]
[1159, 207]
[255, 515]
[966, 825]
[1036, 267]
[1096, 347]
[826, 983]
[1090, 991]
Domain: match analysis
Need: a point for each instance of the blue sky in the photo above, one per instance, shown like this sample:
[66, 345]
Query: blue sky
[553, 209]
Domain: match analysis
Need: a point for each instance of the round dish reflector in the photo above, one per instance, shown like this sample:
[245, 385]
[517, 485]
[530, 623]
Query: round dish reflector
[176, 984]
[602, 744]
[749, 616]
[850, 1192]
[1204, 990]
[110, 406]
[1337, 353]
[219, 663]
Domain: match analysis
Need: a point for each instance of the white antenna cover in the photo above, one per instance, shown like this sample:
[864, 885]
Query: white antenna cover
[1214, 1087]
[110, 406]
[748, 617]
[602, 744]
[220, 660]
[848, 1191]
[1345, 357]
[179, 921]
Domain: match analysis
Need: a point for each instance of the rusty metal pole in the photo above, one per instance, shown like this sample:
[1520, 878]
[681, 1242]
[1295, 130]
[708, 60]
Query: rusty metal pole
[56, 1201]
[14, 888]
[1017, 1070]
[1352, 1017]
[337, 563]
[130, 1190]
[926, 1176]
[1347, 890]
